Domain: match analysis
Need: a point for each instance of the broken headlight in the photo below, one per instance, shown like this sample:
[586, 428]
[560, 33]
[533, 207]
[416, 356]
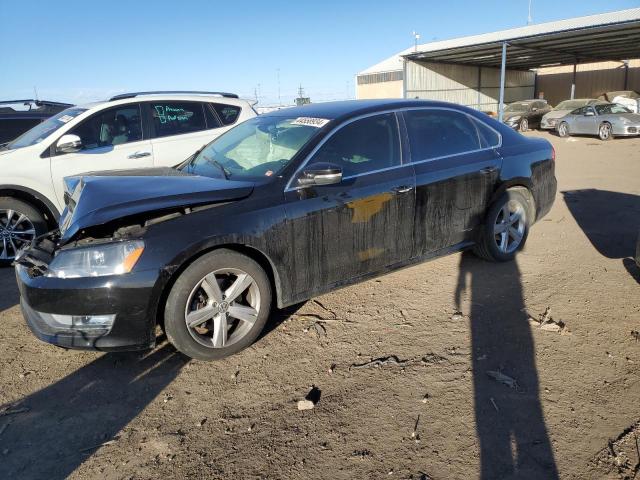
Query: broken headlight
[96, 261]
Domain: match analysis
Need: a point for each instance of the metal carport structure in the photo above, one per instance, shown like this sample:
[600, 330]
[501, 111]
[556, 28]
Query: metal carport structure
[604, 37]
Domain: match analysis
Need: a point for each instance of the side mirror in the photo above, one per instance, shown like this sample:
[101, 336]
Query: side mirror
[69, 143]
[320, 174]
[534, 109]
[589, 113]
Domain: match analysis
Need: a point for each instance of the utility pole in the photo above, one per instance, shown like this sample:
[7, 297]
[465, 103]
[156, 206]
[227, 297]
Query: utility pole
[529, 19]
[416, 37]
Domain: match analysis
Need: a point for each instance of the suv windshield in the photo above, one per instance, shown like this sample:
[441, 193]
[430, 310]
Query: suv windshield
[517, 107]
[611, 108]
[258, 148]
[46, 128]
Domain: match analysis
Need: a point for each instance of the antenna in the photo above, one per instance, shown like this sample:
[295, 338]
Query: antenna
[529, 19]
[416, 37]
[35, 92]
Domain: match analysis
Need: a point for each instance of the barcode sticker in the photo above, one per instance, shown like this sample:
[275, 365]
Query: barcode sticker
[310, 122]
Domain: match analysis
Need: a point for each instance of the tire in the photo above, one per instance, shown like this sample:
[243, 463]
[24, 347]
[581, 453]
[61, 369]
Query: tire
[20, 223]
[216, 333]
[491, 244]
[563, 129]
[605, 131]
[524, 125]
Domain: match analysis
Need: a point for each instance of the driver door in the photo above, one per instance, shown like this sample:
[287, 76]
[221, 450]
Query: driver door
[112, 139]
[586, 122]
[364, 223]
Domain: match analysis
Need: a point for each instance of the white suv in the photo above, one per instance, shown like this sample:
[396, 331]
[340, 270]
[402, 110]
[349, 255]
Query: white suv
[134, 130]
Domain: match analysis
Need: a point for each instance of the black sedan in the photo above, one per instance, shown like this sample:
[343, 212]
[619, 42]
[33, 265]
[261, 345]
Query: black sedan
[283, 207]
[525, 114]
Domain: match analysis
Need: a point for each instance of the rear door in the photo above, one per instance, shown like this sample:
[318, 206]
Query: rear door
[457, 166]
[179, 128]
[362, 224]
[112, 139]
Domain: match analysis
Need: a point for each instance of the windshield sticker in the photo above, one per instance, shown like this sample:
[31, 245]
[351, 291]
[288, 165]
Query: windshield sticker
[65, 118]
[310, 122]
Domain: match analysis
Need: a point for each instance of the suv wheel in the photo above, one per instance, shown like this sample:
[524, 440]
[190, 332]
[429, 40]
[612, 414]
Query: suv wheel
[506, 227]
[218, 306]
[20, 223]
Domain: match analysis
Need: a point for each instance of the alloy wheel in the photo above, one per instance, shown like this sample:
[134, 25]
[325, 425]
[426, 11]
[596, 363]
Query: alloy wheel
[222, 308]
[563, 130]
[16, 231]
[605, 131]
[524, 125]
[509, 227]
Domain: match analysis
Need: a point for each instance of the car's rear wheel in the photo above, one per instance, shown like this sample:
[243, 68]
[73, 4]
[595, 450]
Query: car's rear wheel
[506, 226]
[605, 131]
[563, 129]
[524, 125]
[20, 223]
[218, 306]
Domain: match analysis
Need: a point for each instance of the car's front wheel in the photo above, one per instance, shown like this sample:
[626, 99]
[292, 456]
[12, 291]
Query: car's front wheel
[506, 226]
[20, 223]
[605, 131]
[563, 129]
[524, 125]
[218, 306]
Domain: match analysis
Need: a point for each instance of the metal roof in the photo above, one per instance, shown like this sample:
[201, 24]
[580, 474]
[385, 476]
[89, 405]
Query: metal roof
[607, 36]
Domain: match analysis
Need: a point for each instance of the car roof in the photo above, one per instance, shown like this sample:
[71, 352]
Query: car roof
[165, 97]
[352, 108]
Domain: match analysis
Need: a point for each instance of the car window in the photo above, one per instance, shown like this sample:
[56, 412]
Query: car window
[611, 108]
[579, 111]
[437, 133]
[46, 128]
[113, 126]
[228, 113]
[362, 146]
[176, 118]
[211, 118]
[488, 136]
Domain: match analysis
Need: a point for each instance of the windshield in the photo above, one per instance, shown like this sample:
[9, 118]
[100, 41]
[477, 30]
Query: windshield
[611, 108]
[258, 148]
[46, 128]
[571, 104]
[517, 107]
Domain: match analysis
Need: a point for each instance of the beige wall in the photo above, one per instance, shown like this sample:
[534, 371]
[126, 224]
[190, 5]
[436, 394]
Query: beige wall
[459, 84]
[592, 80]
[380, 90]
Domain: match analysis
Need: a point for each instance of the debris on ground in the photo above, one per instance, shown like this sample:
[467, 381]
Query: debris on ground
[622, 454]
[425, 398]
[310, 401]
[202, 422]
[502, 378]
[548, 324]
[636, 335]
[415, 434]
[431, 358]
[457, 316]
[379, 362]
[320, 329]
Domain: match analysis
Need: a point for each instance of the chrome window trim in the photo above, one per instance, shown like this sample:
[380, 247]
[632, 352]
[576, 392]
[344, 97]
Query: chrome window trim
[289, 188]
[473, 119]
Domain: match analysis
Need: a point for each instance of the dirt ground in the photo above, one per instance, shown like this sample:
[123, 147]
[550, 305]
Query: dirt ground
[478, 388]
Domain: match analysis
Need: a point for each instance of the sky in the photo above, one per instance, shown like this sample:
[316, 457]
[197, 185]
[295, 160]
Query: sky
[80, 51]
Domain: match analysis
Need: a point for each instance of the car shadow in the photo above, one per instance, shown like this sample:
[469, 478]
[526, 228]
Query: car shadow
[510, 425]
[54, 430]
[610, 220]
[9, 289]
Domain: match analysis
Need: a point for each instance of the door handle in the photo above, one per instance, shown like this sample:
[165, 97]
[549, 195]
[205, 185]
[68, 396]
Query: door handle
[402, 189]
[488, 170]
[139, 154]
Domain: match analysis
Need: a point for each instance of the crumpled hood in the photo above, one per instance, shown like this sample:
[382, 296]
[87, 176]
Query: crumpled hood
[98, 198]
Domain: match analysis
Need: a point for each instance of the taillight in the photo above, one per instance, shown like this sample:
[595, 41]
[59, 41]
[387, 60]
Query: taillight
[553, 154]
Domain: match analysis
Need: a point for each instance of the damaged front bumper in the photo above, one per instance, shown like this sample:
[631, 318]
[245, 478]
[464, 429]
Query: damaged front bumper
[97, 313]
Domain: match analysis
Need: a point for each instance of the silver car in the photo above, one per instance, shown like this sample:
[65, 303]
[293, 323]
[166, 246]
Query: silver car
[550, 120]
[604, 120]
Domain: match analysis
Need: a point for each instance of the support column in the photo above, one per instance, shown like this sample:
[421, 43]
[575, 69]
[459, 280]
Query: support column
[503, 69]
[573, 83]
[404, 78]
[626, 74]
[479, 87]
